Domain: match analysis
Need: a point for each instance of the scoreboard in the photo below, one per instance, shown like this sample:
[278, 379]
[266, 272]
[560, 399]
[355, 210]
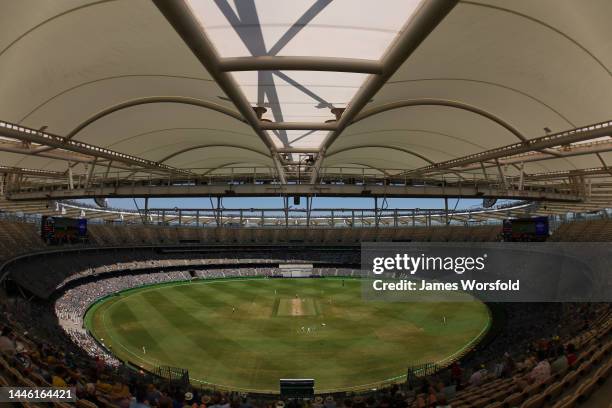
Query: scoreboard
[63, 230]
[526, 229]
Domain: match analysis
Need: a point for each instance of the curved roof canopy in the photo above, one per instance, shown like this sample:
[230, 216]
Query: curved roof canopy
[514, 96]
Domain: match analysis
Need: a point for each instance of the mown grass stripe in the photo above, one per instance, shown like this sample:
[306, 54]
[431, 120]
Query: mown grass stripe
[351, 342]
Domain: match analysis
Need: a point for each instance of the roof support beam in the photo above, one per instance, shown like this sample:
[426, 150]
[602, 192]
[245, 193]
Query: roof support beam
[179, 15]
[414, 32]
[440, 102]
[90, 172]
[400, 149]
[31, 172]
[152, 100]
[204, 146]
[147, 101]
[274, 63]
[553, 175]
[451, 104]
[298, 125]
[563, 152]
[522, 176]
[484, 172]
[539, 143]
[298, 150]
[603, 162]
[58, 154]
[280, 172]
[30, 135]
[40, 151]
[303, 190]
[502, 176]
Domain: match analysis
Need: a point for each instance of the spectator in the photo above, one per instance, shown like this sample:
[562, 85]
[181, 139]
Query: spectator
[7, 344]
[432, 397]
[560, 364]
[509, 366]
[140, 401]
[57, 379]
[164, 402]
[153, 394]
[318, 402]
[541, 372]
[90, 393]
[478, 376]
[188, 400]
[120, 392]
[244, 401]
[442, 402]
[571, 354]
[456, 373]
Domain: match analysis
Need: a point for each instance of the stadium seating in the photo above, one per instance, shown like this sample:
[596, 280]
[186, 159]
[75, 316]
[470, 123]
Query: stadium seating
[18, 238]
[592, 366]
[88, 274]
[42, 274]
[599, 230]
[103, 234]
[584, 231]
[560, 391]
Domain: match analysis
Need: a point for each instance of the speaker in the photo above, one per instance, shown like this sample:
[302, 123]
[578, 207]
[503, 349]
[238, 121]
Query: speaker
[296, 200]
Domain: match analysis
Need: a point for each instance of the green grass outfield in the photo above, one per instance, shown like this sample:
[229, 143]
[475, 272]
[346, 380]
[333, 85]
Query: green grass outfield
[247, 333]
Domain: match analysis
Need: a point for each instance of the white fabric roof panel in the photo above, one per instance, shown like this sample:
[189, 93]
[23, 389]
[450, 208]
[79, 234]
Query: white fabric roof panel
[301, 28]
[339, 28]
[302, 95]
[109, 39]
[508, 63]
[552, 74]
[534, 65]
[140, 129]
[448, 132]
[124, 50]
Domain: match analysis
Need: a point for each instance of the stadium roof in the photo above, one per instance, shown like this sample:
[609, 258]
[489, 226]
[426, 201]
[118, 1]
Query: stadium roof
[470, 98]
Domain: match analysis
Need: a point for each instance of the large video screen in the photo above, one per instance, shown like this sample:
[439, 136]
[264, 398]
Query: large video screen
[63, 230]
[526, 229]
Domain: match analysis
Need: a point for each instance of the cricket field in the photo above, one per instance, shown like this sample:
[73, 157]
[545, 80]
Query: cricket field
[246, 334]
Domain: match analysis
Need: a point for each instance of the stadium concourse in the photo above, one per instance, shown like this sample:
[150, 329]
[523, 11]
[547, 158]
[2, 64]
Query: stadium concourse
[506, 102]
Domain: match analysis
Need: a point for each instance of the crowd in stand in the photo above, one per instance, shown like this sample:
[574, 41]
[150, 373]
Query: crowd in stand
[535, 343]
[60, 269]
[71, 305]
[73, 302]
[53, 361]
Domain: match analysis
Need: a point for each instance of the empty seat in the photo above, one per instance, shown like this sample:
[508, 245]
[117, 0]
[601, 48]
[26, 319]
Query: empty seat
[535, 401]
[566, 402]
[513, 400]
